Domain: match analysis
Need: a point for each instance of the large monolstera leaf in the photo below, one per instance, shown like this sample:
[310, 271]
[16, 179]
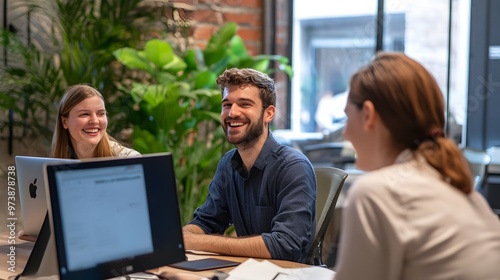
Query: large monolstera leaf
[161, 54]
[133, 59]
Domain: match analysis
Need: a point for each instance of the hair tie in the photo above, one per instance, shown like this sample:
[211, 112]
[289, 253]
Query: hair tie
[436, 133]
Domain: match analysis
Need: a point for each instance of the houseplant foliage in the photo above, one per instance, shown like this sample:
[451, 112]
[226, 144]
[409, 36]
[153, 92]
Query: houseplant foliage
[70, 42]
[28, 89]
[178, 105]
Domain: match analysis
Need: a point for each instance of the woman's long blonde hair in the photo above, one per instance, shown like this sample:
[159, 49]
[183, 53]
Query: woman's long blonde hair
[61, 140]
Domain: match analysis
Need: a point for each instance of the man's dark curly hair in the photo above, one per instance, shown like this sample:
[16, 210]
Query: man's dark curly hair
[247, 76]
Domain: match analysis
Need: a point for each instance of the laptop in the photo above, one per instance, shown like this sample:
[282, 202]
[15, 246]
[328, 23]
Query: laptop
[114, 216]
[32, 191]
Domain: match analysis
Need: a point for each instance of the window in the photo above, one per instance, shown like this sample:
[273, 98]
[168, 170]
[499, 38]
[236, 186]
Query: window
[331, 40]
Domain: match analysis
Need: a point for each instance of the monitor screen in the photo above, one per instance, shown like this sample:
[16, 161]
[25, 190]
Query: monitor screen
[112, 217]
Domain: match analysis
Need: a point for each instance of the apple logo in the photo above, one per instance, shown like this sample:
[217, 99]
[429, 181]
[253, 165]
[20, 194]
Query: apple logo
[33, 189]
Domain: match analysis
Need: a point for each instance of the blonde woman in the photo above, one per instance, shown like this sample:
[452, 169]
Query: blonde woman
[80, 130]
[81, 125]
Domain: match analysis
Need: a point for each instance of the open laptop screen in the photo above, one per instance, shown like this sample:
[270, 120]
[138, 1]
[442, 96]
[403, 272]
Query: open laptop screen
[32, 191]
[114, 216]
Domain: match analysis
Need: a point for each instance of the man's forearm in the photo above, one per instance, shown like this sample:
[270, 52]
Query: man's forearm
[235, 246]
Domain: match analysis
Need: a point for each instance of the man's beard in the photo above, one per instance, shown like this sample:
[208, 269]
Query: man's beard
[254, 131]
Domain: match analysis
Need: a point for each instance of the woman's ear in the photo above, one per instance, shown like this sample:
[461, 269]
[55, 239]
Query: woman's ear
[64, 122]
[370, 115]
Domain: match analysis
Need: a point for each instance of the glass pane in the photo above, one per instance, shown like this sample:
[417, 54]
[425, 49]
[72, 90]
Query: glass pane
[427, 39]
[332, 39]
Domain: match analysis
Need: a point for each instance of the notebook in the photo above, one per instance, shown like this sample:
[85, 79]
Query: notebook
[32, 191]
[114, 216]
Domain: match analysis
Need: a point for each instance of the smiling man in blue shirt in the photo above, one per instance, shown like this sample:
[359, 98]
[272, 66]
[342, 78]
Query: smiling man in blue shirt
[265, 189]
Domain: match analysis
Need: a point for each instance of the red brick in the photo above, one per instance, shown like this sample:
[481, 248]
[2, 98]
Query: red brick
[209, 15]
[250, 34]
[253, 49]
[242, 3]
[204, 32]
[206, 16]
[249, 19]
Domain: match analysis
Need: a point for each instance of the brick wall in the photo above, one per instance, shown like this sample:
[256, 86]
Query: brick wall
[206, 16]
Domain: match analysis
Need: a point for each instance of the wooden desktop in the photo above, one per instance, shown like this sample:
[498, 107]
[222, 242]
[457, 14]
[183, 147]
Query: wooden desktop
[23, 249]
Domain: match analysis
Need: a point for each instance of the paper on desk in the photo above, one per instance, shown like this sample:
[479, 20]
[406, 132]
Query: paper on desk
[252, 269]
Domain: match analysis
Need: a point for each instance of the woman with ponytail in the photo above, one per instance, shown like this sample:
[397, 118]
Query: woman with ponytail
[414, 214]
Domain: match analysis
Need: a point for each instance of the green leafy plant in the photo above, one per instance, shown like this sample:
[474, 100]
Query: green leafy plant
[178, 105]
[29, 89]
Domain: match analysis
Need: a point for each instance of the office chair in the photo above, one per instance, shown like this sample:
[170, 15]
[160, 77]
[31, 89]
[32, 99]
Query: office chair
[478, 161]
[492, 180]
[329, 183]
[328, 154]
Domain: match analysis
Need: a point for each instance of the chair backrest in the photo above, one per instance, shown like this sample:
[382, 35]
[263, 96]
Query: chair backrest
[329, 183]
[336, 154]
[478, 161]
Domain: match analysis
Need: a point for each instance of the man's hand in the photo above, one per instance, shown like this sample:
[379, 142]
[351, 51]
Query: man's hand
[180, 276]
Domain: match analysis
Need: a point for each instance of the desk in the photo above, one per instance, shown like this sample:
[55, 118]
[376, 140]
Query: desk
[23, 250]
